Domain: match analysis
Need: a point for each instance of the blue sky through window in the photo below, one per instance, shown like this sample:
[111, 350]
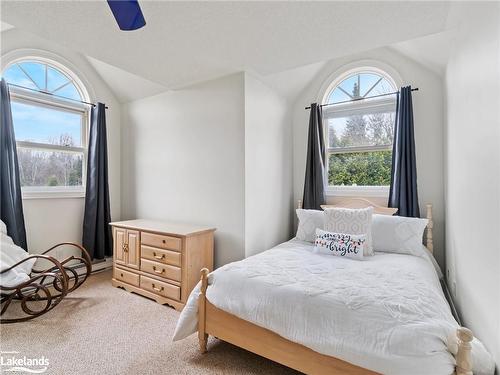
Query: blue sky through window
[45, 125]
[36, 71]
[15, 75]
[42, 124]
[55, 79]
[366, 80]
[40, 76]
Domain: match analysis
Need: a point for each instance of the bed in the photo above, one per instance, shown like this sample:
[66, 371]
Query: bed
[354, 317]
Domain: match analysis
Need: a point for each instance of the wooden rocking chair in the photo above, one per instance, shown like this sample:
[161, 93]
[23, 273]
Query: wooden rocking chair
[47, 286]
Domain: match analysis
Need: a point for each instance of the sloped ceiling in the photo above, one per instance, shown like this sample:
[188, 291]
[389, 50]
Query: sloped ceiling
[431, 51]
[290, 83]
[126, 86]
[189, 42]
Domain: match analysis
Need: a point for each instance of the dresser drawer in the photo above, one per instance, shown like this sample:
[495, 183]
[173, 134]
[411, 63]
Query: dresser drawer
[162, 270]
[162, 256]
[125, 276]
[163, 242]
[161, 288]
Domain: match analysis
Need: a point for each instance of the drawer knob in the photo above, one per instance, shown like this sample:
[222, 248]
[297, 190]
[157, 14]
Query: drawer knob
[164, 241]
[158, 271]
[121, 274]
[158, 257]
[157, 289]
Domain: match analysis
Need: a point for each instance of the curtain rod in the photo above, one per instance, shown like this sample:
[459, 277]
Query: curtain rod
[48, 93]
[357, 99]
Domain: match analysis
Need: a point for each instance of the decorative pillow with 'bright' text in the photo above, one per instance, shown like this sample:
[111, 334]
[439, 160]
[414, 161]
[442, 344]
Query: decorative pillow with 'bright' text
[340, 244]
[357, 221]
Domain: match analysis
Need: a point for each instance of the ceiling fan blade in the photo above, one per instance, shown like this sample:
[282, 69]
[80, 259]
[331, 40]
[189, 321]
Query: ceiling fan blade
[127, 13]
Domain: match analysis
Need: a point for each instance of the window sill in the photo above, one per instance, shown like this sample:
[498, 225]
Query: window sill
[52, 193]
[358, 191]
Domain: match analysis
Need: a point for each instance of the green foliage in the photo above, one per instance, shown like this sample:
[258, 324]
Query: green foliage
[360, 168]
[52, 181]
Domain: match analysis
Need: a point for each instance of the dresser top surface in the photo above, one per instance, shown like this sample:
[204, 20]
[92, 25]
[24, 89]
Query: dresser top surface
[163, 227]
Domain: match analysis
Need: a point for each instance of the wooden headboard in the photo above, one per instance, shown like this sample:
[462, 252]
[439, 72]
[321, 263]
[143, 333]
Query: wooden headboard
[363, 203]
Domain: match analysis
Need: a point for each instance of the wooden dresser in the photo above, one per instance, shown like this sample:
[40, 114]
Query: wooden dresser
[160, 260]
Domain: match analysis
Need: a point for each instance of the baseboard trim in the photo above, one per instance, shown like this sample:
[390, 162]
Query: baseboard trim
[102, 264]
[97, 266]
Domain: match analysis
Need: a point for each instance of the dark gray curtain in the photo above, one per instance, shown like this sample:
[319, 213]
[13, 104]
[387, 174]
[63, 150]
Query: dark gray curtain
[314, 184]
[96, 231]
[11, 204]
[403, 192]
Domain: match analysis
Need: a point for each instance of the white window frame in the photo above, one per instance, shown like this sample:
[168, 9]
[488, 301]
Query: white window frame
[378, 105]
[84, 87]
[43, 100]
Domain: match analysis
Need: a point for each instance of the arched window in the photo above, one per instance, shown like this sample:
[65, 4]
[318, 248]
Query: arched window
[50, 125]
[360, 127]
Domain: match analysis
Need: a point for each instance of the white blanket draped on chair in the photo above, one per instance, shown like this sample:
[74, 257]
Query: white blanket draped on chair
[10, 254]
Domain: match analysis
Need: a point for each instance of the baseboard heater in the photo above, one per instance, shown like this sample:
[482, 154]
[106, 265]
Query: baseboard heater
[97, 266]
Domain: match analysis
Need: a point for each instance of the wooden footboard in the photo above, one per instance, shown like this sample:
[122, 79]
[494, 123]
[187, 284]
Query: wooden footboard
[258, 340]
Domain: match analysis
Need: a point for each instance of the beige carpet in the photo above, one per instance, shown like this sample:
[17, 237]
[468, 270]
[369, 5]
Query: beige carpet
[99, 329]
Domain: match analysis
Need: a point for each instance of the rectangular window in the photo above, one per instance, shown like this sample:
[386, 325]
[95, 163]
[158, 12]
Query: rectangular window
[51, 145]
[359, 144]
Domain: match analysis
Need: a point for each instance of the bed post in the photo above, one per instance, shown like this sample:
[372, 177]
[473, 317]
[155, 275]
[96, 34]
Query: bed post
[429, 243]
[299, 204]
[464, 356]
[202, 335]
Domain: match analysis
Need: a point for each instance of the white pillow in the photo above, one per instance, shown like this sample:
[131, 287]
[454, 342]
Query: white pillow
[3, 227]
[398, 234]
[351, 221]
[339, 244]
[309, 221]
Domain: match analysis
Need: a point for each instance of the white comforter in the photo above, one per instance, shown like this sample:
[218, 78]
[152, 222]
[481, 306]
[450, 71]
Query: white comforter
[386, 313]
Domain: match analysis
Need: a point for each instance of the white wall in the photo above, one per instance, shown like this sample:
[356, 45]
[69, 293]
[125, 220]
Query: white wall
[216, 153]
[428, 116]
[49, 221]
[473, 172]
[268, 168]
[183, 160]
